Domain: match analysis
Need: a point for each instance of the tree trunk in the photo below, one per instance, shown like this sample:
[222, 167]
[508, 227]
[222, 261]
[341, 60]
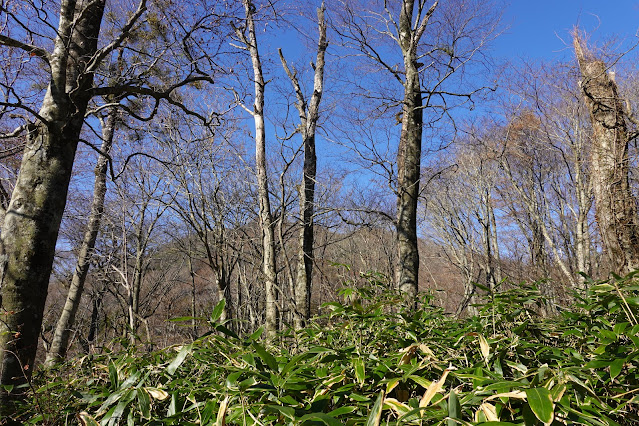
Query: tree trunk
[95, 315]
[266, 217]
[614, 202]
[58, 350]
[409, 158]
[489, 239]
[33, 219]
[308, 125]
[496, 258]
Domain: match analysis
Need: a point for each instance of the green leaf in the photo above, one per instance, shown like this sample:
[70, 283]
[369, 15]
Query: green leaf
[540, 402]
[225, 330]
[269, 359]
[454, 409]
[602, 288]
[257, 334]
[144, 403]
[123, 403]
[376, 413]
[324, 418]
[342, 410]
[178, 360]
[360, 372]
[172, 410]
[598, 363]
[113, 376]
[183, 319]
[633, 301]
[482, 287]
[425, 383]
[296, 361]
[285, 411]
[358, 398]
[218, 311]
[115, 396]
[615, 367]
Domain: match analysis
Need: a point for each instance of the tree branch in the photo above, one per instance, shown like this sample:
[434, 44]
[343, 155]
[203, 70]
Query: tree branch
[29, 48]
[158, 95]
[102, 53]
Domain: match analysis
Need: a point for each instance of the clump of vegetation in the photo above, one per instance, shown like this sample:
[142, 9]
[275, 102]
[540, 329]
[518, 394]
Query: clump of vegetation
[369, 361]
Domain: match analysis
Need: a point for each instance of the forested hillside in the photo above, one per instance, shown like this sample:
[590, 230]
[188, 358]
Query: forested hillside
[305, 170]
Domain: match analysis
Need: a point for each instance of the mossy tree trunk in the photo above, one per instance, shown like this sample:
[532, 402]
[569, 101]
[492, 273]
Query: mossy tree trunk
[32, 221]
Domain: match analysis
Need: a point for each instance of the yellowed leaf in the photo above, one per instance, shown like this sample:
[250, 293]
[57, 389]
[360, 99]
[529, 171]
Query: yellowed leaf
[484, 347]
[398, 407]
[489, 411]
[158, 394]
[86, 419]
[409, 353]
[221, 414]
[425, 349]
[513, 394]
[434, 387]
[560, 393]
[392, 384]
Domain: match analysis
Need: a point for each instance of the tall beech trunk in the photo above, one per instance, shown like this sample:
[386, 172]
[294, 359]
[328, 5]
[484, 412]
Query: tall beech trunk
[409, 152]
[60, 342]
[308, 125]
[615, 205]
[266, 217]
[32, 221]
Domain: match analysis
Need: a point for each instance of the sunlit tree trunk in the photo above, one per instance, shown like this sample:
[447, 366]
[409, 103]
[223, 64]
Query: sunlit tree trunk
[308, 124]
[614, 202]
[266, 217]
[409, 152]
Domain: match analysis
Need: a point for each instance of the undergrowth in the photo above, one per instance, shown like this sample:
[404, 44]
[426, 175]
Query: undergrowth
[368, 361]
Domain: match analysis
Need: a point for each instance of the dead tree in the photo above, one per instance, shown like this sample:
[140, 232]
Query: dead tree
[616, 210]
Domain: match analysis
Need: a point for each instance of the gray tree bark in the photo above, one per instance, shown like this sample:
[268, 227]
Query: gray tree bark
[60, 342]
[266, 217]
[409, 152]
[308, 125]
[615, 205]
[32, 221]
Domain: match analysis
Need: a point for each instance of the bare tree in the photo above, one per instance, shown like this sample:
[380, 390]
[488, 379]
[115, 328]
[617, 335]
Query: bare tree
[210, 197]
[60, 341]
[462, 219]
[424, 46]
[247, 36]
[33, 218]
[309, 115]
[72, 55]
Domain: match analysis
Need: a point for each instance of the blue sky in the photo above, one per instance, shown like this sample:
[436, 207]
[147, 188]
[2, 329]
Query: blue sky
[541, 28]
